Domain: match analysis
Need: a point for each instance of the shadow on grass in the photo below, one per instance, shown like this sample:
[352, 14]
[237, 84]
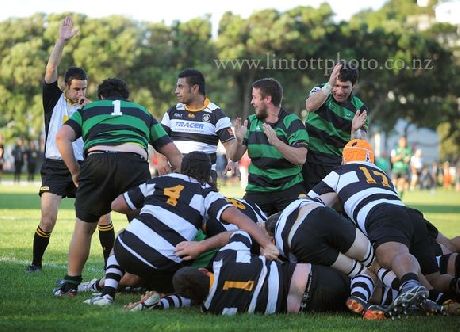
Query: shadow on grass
[28, 201]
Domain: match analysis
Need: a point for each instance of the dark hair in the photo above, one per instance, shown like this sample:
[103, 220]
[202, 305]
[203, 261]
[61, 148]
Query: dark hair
[192, 283]
[270, 87]
[113, 88]
[193, 77]
[197, 165]
[270, 224]
[74, 73]
[348, 72]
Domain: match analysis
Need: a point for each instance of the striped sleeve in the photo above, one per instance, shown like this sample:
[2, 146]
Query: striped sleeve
[215, 205]
[135, 197]
[327, 185]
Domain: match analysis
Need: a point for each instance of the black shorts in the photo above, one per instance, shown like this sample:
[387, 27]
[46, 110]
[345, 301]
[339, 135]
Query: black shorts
[394, 223]
[153, 279]
[400, 174]
[104, 176]
[317, 167]
[321, 236]
[273, 202]
[328, 290]
[431, 229]
[56, 179]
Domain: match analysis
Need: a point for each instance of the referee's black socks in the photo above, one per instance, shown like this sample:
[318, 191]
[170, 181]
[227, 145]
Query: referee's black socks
[41, 241]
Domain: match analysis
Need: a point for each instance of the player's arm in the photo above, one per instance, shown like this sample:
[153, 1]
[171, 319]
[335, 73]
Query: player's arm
[295, 155]
[233, 216]
[66, 32]
[172, 153]
[231, 149]
[240, 132]
[192, 249]
[318, 96]
[119, 205]
[64, 138]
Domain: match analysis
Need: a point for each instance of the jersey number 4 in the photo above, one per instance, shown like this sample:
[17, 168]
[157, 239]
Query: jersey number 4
[173, 194]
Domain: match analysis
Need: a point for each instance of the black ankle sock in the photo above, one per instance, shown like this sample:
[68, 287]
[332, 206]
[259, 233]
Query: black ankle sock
[41, 241]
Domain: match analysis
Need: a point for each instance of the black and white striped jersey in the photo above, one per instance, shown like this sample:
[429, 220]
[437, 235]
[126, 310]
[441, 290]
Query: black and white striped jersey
[246, 282]
[287, 225]
[57, 111]
[251, 210]
[360, 186]
[172, 210]
[198, 130]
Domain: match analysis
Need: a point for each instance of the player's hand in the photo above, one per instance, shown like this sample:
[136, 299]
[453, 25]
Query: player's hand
[76, 179]
[163, 166]
[83, 101]
[335, 74]
[358, 120]
[188, 250]
[67, 31]
[240, 129]
[270, 251]
[271, 135]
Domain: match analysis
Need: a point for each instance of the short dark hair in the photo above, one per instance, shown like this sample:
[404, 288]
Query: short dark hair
[193, 77]
[197, 165]
[192, 283]
[270, 224]
[113, 88]
[348, 72]
[270, 87]
[75, 73]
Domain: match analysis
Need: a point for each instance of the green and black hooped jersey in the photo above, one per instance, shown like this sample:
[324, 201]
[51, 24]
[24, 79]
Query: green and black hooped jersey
[269, 171]
[329, 128]
[115, 122]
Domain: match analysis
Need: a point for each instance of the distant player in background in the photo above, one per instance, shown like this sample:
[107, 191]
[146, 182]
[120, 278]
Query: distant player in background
[400, 160]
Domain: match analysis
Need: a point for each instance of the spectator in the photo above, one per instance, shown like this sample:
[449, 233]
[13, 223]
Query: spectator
[400, 159]
[415, 169]
[31, 155]
[18, 155]
[2, 156]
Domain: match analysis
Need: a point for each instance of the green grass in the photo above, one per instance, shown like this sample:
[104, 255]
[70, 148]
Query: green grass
[26, 302]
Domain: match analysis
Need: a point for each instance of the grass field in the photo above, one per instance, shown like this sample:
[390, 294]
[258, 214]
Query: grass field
[26, 302]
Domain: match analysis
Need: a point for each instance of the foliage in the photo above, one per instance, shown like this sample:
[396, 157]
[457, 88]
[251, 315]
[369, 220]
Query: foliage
[415, 78]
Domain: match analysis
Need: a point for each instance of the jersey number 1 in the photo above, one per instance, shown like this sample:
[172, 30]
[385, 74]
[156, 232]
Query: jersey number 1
[116, 108]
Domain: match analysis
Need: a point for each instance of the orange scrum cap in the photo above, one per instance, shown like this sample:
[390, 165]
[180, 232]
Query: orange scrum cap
[358, 150]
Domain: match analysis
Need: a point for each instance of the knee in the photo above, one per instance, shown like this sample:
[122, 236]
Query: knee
[47, 221]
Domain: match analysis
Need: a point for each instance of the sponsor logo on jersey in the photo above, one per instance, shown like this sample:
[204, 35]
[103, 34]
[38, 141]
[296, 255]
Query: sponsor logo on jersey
[177, 115]
[206, 117]
[185, 124]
